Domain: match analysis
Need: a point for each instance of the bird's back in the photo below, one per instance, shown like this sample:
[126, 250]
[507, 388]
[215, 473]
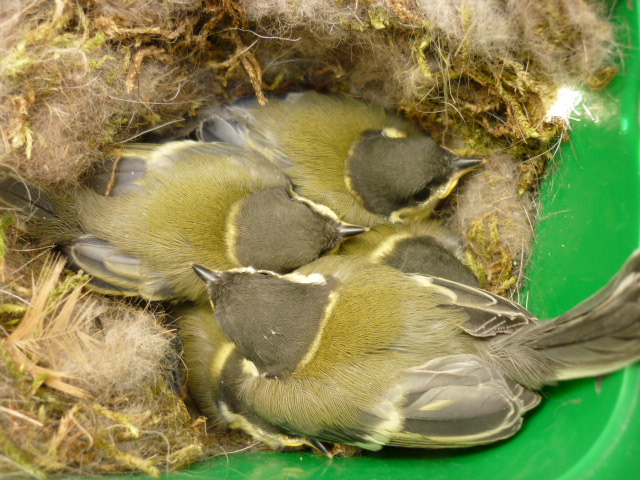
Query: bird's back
[311, 135]
[361, 356]
[183, 186]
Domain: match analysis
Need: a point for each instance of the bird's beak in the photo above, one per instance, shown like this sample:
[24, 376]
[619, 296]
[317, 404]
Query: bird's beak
[461, 166]
[466, 164]
[208, 276]
[347, 230]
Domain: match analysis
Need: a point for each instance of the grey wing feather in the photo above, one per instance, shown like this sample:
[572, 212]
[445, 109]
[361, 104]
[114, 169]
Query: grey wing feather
[119, 180]
[124, 174]
[115, 272]
[17, 194]
[461, 400]
[237, 124]
[488, 314]
[229, 124]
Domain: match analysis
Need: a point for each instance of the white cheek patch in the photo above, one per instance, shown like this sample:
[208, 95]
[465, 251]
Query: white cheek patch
[313, 348]
[167, 155]
[317, 207]
[387, 246]
[313, 278]
[391, 132]
[231, 232]
[238, 422]
[246, 270]
[349, 184]
[220, 359]
[249, 368]
[417, 212]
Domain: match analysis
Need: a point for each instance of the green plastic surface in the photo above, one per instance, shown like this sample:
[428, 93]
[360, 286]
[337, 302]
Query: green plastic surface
[586, 429]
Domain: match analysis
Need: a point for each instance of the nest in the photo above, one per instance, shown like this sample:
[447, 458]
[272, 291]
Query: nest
[79, 78]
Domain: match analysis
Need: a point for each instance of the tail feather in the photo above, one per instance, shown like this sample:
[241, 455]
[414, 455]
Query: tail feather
[625, 282]
[600, 335]
[27, 200]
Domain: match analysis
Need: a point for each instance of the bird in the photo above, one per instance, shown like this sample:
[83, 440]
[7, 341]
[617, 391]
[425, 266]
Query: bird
[348, 351]
[367, 164]
[425, 247]
[138, 224]
[213, 366]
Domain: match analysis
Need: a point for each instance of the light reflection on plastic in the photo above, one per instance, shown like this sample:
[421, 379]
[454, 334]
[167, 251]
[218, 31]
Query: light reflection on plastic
[624, 124]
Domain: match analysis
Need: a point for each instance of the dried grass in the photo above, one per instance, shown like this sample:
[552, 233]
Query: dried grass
[92, 376]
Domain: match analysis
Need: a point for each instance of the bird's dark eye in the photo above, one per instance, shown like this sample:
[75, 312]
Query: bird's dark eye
[266, 274]
[422, 195]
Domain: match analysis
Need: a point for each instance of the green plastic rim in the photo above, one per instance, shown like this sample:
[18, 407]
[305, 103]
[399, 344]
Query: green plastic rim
[590, 223]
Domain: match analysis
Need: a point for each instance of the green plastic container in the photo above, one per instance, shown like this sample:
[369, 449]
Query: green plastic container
[585, 429]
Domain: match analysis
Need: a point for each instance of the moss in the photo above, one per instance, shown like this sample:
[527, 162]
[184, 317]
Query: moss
[20, 457]
[489, 259]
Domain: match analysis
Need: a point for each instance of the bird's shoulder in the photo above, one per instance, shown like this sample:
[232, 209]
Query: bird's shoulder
[478, 312]
[368, 407]
[140, 167]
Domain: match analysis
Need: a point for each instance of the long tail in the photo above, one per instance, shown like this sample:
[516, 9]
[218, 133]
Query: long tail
[28, 201]
[599, 336]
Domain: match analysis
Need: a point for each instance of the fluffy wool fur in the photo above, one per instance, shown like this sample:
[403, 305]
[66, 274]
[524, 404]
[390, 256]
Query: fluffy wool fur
[497, 219]
[84, 383]
[566, 41]
[74, 81]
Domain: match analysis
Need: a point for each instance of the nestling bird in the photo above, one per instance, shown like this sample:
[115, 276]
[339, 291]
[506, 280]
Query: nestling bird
[365, 163]
[347, 351]
[426, 247]
[171, 205]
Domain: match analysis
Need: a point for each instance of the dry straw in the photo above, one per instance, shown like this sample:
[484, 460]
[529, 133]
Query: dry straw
[84, 385]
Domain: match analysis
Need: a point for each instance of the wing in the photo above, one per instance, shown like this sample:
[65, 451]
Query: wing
[247, 124]
[125, 173]
[460, 401]
[119, 176]
[228, 124]
[487, 314]
[114, 272]
[453, 401]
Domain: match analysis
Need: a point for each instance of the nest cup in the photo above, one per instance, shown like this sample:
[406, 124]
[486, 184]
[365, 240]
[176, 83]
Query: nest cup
[590, 223]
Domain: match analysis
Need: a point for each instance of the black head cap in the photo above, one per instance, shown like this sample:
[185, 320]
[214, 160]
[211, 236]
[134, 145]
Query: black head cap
[391, 173]
[279, 231]
[273, 320]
